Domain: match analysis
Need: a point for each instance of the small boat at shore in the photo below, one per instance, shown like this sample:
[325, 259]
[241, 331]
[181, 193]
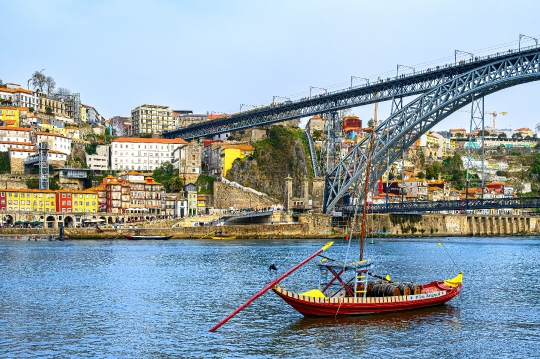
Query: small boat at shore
[135, 238]
[223, 238]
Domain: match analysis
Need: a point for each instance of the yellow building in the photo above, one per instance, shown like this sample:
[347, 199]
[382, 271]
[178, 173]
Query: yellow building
[29, 200]
[83, 113]
[231, 153]
[52, 129]
[85, 201]
[10, 116]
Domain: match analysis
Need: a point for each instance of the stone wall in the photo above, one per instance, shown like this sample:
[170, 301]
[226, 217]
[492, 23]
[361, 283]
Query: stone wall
[226, 196]
[449, 225]
[17, 165]
[320, 226]
[72, 183]
[14, 181]
[256, 231]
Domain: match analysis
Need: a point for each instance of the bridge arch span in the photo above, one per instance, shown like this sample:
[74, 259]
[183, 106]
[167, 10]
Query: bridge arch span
[404, 127]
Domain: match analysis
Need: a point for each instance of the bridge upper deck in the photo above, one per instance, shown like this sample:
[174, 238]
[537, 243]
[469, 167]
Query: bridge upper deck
[384, 89]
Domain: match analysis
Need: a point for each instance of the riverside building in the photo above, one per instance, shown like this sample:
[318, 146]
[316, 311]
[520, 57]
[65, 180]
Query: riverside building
[143, 154]
[151, 119]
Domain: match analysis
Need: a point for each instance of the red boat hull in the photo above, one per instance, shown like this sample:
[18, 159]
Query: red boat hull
[434, 293]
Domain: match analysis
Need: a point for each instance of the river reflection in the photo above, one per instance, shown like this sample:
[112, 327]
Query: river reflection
[438, 315]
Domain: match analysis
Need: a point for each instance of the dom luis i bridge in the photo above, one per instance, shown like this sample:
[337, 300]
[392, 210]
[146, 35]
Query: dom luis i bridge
[439, 91]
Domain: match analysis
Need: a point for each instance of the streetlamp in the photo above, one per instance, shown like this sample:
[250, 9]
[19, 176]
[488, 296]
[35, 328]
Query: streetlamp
[315, 87]
[243, 104]
[528, 37]
[28, 84]
[463, 52]
[398, 66]
[274, 98]
[356, 77]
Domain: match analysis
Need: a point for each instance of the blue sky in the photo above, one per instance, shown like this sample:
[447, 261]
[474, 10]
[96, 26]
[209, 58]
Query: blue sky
[215, 55]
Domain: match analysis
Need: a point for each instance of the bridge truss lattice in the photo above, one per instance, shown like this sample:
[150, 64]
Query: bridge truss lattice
[405, 126]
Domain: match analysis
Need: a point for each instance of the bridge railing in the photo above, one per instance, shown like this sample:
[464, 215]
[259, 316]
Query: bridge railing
[437, 206]
[376, 80]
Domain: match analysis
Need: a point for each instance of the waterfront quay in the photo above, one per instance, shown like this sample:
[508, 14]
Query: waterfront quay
[278, 225]
[54, 220]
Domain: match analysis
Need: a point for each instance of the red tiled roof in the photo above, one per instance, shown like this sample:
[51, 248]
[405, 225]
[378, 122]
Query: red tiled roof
[150, 140]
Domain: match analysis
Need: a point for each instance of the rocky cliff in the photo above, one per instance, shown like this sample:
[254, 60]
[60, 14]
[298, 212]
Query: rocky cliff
[285, 152]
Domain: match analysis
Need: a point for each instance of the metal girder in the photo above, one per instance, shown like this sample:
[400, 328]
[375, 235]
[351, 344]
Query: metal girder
[313, 153]
[476, 123]
[383, 90]
[435, 206]
[404, 127]
[330, 149]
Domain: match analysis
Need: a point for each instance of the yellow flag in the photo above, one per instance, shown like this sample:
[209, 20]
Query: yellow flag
[439, 244]
[388, 277]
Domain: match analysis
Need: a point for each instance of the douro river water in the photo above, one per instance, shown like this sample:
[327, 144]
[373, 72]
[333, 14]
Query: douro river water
[121, 299]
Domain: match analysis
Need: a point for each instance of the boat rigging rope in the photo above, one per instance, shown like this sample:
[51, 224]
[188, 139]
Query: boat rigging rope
[449, 256]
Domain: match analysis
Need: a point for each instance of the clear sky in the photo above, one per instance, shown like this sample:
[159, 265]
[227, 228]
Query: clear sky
[215, 55]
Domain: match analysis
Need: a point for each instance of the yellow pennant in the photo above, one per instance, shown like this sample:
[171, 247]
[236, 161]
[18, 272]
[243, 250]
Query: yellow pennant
[388, 277]
[439, 244]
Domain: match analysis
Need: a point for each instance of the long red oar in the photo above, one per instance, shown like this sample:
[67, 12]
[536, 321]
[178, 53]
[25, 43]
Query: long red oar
[270, 285]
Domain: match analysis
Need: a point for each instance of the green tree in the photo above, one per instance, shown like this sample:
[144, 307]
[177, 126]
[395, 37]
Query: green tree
[48, 110]
[91, 148]
[317, 134]
[175, 184]
[5, 165]
[422, 158]
[370, 122]
[433, 170]
[163, 174]
[421, 175]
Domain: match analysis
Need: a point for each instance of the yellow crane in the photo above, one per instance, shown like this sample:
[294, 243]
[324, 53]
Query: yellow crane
[492, 113]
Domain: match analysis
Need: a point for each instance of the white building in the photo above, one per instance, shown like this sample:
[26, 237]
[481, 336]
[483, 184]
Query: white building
[19, 97]
[143, 154]
[149, 119]
[99, 161]
[23, 153]
[15, 134]
[5, 146]
[56, 142]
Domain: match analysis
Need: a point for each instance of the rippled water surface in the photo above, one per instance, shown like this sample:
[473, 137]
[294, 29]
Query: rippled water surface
[120, 299]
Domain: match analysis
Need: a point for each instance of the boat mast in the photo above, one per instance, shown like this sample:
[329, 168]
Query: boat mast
[366, 191]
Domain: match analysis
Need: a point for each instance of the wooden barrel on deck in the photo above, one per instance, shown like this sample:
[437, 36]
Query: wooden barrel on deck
[404, 288]
[415, 289]
[385, 290]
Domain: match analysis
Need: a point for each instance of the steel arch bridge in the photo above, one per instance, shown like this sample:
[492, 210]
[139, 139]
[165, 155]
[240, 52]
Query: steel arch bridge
[405, 126]
[393, 88]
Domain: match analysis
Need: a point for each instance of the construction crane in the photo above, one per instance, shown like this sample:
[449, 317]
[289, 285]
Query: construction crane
[492, 113]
